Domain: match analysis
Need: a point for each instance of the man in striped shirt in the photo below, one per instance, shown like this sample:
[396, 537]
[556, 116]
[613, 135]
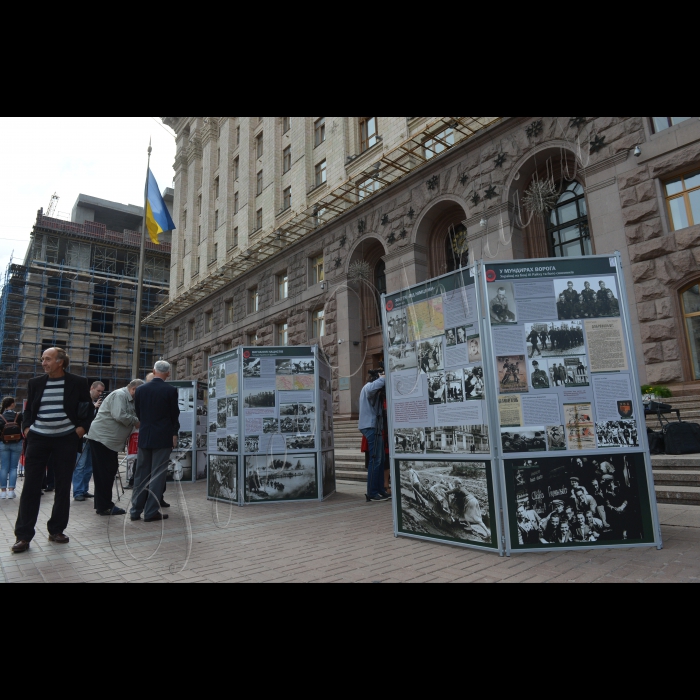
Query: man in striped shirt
[59, 414]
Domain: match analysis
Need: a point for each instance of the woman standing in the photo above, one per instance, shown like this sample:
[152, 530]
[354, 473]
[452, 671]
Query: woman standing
[11, 442]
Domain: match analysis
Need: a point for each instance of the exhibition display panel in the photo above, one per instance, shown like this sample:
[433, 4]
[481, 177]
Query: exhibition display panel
[188, 463]
[272, 440]
[515, 413]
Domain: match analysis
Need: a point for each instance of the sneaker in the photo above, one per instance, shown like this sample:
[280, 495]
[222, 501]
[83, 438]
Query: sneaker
[11, 495]
[89, 496]
[79, 499]
[113, 512]
[3, 495]
[378, 499]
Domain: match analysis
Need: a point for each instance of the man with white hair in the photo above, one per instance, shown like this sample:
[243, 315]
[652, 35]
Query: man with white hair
[157, 408]
[106, 439]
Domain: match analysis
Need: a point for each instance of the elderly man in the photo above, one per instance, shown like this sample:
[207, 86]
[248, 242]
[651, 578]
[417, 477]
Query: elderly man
[58, 416]
[83, 472]
[106, 439]
[157, 408]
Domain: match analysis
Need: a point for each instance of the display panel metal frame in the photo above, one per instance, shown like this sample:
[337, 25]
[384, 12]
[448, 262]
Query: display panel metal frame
[490, 460]
[616, 268]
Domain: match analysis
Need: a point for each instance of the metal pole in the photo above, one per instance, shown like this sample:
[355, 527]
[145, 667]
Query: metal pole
[142, 267]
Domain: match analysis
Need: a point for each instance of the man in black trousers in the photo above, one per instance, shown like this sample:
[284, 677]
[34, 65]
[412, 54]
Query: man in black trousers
[158, 409]
[58, 416]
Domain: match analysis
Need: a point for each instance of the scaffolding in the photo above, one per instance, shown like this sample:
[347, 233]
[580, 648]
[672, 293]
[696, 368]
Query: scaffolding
[89, 312]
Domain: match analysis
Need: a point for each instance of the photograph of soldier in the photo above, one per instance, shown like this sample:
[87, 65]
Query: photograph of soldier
[437, 388]
[447, 500]
[409, 441]
[289, 425]
[202, 410]
[202, 441]
[617, 433]
[281, 479]
[475, 349]
[575, 501]
[462, 336]
[402, 357]
[222, 372]
[556, 438]
[502, 304]
[231, 443]
[223, 475]
[305, 424]
[431, 355]
[222, 413]
[522, 440]
[397, 327]
[232, 407]
[562, 339]
[569, 372]
[213, 427]
[259, 399]
[534, 340]
[512, 374]
[251, 368]
[474, 386]
[252, 444]
[591, 298]
[271, 425]
[451, 338]
[539, 377]
[455, 386]
[222, 444]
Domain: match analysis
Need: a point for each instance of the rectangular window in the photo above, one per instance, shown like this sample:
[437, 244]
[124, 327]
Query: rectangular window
[258, 219]
[253, 301]
[317, 273]
[52, 245]
[100, 354]
[104, 295]
[59, 289]
[320, 132]
[102, 323]
[683, 199]
[369, 133]
[216, 220]
[368, 187]
[208, 321]
[283, 335]
[287, 199]
[228, 310]
[259, 189]
[282, 286]
[439, 143]
[235, 237]
[55, 317]
[189, 369]
[190, 331]
[260, 146]
[286, 124]
[253, 339]
[287, 159]
[321, 173]
[661, 123]
[236, 203]
[217, 188]
[236, 168]
[318, 324]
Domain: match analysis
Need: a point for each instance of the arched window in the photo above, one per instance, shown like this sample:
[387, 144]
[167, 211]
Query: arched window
[568, 229]
[456, 248]
[690, 300]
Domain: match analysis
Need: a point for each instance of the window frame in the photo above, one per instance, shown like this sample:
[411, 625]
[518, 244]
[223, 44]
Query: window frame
[686, 316]
[583, 220]
[685, 194]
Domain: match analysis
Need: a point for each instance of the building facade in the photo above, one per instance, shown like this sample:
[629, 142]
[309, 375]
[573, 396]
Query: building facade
[77, 290]
[290, 227]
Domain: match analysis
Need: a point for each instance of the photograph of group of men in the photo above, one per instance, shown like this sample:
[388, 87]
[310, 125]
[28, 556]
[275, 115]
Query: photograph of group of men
[568, 372]
[561, 502]
[554, 339]
[617, 433]
[512, 375]
[582, 299]
[456, 386]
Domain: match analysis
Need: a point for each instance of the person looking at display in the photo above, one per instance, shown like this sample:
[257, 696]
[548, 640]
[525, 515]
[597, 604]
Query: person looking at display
[371, 425]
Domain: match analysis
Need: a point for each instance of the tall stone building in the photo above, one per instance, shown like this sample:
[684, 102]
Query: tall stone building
[275, 213]
[76, 289]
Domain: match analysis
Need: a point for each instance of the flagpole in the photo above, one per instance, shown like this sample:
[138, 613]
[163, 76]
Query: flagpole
[142, 268]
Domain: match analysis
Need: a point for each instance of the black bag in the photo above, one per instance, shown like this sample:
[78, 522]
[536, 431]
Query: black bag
[682, 438]
[655, 407]
[657, 443]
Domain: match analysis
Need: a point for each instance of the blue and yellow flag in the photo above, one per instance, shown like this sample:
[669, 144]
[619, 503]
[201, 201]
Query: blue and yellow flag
[158, 219]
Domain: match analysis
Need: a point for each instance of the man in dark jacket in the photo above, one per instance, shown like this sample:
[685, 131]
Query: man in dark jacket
[158, 410]
[59, 414]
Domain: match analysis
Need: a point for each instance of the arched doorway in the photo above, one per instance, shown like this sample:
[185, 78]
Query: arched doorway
[441, 230]
[690, 303]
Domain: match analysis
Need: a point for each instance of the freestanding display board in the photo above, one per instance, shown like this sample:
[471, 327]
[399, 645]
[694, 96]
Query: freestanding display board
[274, 426]
[188, 463]
[551, 365]
[440, 429]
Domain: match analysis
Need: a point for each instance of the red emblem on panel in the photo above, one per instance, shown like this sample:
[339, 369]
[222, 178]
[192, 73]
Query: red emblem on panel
[491, 276]
[247, 354]
[390, 306]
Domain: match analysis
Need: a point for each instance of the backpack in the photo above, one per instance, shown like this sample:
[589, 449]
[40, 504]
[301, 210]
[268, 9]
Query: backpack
[682, 438]
[11, 433]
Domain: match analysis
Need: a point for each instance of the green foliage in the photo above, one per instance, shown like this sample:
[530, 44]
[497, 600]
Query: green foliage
[662, 392]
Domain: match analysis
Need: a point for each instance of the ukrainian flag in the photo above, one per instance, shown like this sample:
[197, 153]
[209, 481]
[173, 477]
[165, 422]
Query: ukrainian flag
[158, 219]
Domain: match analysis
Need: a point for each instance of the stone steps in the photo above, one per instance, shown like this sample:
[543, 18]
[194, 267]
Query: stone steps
[678, 495]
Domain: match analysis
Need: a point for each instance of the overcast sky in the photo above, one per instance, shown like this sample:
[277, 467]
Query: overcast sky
[99, 156]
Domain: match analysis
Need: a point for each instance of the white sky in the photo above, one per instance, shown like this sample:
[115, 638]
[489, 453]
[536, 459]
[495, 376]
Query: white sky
[99, 156]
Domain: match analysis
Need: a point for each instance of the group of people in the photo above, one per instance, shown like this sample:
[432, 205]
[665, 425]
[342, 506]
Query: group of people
[555, 339]
[65, 421]
[588, 303]
[618, 433]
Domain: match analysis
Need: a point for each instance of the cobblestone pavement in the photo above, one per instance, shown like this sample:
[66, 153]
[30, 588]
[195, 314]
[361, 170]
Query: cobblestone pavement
[343, 540]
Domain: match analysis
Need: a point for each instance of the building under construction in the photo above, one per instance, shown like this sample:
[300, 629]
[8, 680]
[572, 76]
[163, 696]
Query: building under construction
[77, 290]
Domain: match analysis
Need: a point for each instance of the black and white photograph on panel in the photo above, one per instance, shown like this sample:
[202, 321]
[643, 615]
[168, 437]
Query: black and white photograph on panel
[539, 377]
[556, 438]
[222, 413]
[223, 475]
[451, 338]
[232, 407]
[180, 466]
[458, 440]
[251, 368]
[185, 440]
[474, 385]
[512, 374]
[202, 410]
[271, 425]
[289, 410]
[329, 476]
[617, 434]
[569, 372]
[222, 445]
[555, 339]
[281, 478]
[397, 327]
[213, 427]
[522, 440]
[431, 355]
[252, 444]
[231, 443]
[409, 441]
[502, 307]
[455, 385]
[301, 442]
[447, 500]
[202, 441]
[403, 357]
[307, 410]
[186, 400]
[222, 371]
[596, 297]
[565, 502]
[306, 424]
[260, 399]
[289, 425]
[303, 366]
[201, 395]
[437, 388]
[283, 367]
[475, 354]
